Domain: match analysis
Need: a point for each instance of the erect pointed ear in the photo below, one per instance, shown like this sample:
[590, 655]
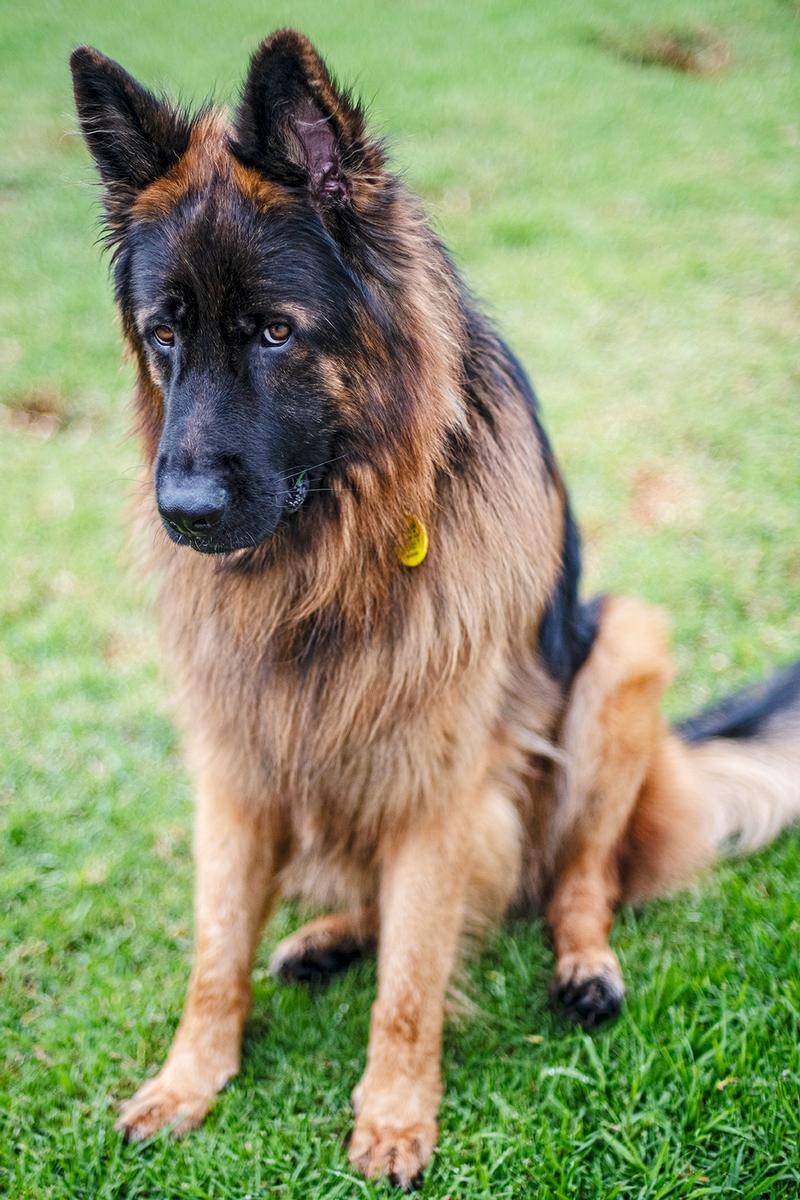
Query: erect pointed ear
[133, 136]
[296, 126]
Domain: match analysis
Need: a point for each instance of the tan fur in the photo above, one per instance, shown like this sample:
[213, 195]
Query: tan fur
[387, 766]
[324, 933]
[205, 158]
[610, 730]
[388, 741]
[703, 801]
[667, 841]
[238, 846]
[432, 790]
[752, 792]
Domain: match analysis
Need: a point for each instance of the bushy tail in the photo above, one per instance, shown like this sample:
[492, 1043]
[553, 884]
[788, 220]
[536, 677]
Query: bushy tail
[724, 782]
[745, 756]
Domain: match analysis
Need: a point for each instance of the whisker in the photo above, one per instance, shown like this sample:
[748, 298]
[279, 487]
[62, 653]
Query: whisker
[340, 488]
[315, 467]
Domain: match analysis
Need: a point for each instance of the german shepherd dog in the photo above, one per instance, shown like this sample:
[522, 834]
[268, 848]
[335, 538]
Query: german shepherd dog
[394, 701]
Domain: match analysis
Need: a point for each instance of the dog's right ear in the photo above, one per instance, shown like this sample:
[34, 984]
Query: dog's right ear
[133, 136]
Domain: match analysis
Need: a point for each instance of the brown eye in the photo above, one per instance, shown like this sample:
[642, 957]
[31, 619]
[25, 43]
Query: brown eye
[164, 335]
[277, 333]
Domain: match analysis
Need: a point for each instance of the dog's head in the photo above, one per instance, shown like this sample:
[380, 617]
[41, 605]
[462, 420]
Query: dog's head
[241, 264]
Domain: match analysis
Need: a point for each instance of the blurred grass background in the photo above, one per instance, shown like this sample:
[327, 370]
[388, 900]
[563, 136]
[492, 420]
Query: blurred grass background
[633, 228]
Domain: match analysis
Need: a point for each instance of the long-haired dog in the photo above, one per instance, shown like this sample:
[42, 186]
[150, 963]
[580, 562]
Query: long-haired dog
[393, 699]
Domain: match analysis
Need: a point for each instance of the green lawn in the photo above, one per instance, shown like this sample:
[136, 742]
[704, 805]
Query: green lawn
[634, 230]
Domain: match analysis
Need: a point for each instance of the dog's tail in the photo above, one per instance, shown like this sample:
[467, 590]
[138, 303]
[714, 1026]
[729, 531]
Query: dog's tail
[745, 753]
[724, 782]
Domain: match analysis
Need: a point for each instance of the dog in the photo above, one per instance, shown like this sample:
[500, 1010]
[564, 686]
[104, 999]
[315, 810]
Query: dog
[395, 702]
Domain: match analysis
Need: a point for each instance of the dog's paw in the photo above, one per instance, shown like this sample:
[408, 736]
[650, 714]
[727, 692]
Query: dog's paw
[162, 1104]
[301, 958]
[589, 987]
[400, 1153]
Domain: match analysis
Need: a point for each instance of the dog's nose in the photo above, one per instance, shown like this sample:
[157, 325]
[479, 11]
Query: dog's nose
[193, 506]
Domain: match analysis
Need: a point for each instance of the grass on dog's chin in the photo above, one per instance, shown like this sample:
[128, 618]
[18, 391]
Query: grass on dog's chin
[634, 231]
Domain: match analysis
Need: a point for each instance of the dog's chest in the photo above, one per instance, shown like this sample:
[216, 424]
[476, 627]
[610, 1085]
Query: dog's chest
[373, 732]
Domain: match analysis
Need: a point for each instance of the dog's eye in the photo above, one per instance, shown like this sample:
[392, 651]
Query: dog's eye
[276, 334]
[163, 335]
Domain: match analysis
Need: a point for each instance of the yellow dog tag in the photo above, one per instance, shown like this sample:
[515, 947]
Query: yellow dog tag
[414, 546]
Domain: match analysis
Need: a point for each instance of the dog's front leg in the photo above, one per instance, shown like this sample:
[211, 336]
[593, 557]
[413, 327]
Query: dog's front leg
[236, 860]
[422, 891]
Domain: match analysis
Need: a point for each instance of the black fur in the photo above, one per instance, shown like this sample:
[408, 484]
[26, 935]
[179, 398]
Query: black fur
[318, 966]
[134, 136]
[592, 1002]
[746, 714]
[568, 627]
[240, 419]
[217, 272]
[284, 128]
[523, 386]
[298, 127]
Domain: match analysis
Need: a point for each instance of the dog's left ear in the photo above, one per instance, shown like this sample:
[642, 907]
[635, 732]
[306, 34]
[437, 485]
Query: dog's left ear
[295, 126]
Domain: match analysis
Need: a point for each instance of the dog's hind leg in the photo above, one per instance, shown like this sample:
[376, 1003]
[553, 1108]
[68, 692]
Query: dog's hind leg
[237, 851]
[611, 730]
[329, 944]
[325, 946]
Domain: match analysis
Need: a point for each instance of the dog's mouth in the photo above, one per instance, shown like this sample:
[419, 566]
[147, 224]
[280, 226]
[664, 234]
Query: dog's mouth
[211, 546]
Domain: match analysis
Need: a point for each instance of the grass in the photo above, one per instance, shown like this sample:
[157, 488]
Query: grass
[634, 230]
